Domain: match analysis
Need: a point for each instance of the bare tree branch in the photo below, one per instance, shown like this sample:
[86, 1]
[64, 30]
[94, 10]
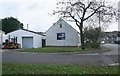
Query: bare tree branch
[77, 22]
[79, 16]
[93, 13]
[83, 15]
[88, 5]
[80, 4]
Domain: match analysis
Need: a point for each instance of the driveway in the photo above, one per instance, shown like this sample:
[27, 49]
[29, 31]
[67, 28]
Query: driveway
[114, 54]
[114, 49]
[105, 58]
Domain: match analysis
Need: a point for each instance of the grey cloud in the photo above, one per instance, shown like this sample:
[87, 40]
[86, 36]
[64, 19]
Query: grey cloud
[9, 8]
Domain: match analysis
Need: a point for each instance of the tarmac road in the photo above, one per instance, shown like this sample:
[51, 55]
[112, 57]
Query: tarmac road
[103, 58]
[114, 49]
[114, 54]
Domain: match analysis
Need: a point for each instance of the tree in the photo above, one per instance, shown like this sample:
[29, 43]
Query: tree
[92, 36]
[81, 10]
[10, 24]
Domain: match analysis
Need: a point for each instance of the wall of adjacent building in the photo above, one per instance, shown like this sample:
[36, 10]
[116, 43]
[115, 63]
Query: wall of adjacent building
[71, 35]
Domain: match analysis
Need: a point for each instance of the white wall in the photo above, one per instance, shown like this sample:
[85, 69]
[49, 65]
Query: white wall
[72, 38]
[37, 39]
[119, 16]
[3, 37]
[118, 38]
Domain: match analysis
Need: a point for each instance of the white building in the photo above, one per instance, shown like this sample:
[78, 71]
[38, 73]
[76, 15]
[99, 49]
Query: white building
[27, 38]
[1, 37]
[62, 34]
[118, 38]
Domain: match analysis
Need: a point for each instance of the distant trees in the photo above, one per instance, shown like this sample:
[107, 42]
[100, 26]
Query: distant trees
[10, 24]
[81, 11]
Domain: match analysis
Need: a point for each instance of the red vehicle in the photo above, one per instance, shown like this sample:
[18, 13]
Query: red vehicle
[11, 44]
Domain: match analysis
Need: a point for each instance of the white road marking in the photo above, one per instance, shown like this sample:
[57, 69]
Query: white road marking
[114, 64]
[89, 54]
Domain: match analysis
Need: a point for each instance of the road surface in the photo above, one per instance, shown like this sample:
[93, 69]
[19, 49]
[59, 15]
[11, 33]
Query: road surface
[103, 58]
[114, 54]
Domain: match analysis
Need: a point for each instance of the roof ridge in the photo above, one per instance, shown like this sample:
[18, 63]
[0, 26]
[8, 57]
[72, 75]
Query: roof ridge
[32, 31]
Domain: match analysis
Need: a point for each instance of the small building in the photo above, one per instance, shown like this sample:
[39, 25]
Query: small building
[1, 38]
[1, 35]
[62, 34]
[27, 38]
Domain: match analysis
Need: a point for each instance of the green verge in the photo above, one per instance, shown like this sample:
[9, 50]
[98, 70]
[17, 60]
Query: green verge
[56, 49]
[57, 69]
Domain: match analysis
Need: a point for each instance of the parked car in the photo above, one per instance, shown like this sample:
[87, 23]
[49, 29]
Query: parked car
[102, 42]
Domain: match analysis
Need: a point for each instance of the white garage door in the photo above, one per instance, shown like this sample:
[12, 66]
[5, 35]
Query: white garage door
[27, 42]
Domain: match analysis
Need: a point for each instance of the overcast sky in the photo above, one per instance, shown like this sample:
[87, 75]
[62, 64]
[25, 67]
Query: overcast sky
[35, 13]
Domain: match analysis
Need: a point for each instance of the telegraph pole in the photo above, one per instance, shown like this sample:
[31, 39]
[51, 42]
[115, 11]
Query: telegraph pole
[27, 26]
[102, 3]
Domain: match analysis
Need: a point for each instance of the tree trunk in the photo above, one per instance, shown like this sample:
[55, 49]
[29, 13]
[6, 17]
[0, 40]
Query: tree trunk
[81, 35]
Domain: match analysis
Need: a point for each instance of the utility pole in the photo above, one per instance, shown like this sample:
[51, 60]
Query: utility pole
[27, 26]
[102, 4]
[100, 14]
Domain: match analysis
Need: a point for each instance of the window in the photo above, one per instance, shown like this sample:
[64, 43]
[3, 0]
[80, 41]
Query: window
[60, 25]
[60, 36]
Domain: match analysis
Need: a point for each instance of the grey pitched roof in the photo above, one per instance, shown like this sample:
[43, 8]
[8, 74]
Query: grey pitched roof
[31, 31]
[64, 21]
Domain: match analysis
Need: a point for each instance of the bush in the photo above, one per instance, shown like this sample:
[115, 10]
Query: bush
[87, 45]
[92, 45]
[95, 45]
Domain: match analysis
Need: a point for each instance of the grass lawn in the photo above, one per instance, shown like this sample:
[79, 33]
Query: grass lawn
[57, 69]
[56, 49]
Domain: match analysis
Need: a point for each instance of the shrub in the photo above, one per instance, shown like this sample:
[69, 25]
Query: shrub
[92, 45]
[95, 45]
